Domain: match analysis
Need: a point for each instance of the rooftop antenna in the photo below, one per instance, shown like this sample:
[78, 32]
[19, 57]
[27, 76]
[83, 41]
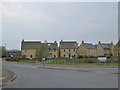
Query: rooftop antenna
[22, 36]
[5, 45]
[61, 38]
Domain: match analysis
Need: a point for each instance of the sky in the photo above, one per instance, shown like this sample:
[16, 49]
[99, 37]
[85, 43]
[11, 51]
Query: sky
[76, 21]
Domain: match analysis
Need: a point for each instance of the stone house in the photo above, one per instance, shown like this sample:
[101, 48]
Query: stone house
[53, 50]
[68, 49]
[117, 49]
[87, 49]
[105, 49]
[30, 49]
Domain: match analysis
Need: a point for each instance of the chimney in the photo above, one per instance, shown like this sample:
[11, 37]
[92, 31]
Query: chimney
[61, 40]
[22, 40]
[55, 41]
[82, 42]
[111, 43]
[45, 42]
[99, 42]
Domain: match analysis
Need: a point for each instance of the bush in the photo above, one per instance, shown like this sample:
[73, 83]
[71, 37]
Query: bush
[111, 61]
[12, 59]
[8, 59]
[91, 60]
[80, 56]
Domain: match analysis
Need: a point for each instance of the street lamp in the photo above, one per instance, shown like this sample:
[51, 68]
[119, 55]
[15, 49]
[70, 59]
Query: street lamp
[119, 51]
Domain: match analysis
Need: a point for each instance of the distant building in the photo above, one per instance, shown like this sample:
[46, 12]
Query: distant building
[30, 49]
[68, 49]
[87, 49]
[105, 49]
[117, 49]
[13, 53]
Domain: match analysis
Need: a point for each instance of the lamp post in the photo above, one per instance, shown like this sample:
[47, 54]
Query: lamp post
[119, 51]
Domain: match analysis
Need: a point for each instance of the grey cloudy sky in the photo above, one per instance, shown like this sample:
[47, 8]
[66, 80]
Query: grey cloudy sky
[88, 21]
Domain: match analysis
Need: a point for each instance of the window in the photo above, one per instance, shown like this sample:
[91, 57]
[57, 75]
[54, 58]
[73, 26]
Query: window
[64, 50]
[49, 49]
[69, 55]
[30, 56]
[69, 50]
[54, 49]
[54, 56]
[64, 55]
[74, 55]
[24, 56]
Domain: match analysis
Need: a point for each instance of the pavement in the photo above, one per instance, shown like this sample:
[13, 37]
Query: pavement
[7, 77]
[106, 69]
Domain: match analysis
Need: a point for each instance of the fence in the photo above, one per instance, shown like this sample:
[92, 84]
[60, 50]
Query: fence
[77, 60]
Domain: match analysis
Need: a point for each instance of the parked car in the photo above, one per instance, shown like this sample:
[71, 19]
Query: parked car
[28, 58]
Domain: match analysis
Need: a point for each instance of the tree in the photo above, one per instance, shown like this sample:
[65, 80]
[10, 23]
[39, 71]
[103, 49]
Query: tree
[42, 52]
[3, 51]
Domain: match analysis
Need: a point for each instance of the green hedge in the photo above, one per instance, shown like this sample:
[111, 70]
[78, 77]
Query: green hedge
[12, 59]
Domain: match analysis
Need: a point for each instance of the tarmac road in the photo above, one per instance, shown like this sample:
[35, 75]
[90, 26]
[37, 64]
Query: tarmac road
[30, 76]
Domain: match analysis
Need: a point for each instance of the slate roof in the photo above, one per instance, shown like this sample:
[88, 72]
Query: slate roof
[118, 44]
[68, 45]
[36, 45]
[106, 45]
[89, 45]
[52, 45]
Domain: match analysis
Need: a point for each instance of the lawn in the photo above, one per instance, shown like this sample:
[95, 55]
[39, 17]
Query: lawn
[66, 62]
[28, 61]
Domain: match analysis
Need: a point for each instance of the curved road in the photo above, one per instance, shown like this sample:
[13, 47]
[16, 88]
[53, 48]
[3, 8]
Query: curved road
[30, 76]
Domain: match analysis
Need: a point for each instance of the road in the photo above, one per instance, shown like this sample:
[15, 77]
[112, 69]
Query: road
[30, 76]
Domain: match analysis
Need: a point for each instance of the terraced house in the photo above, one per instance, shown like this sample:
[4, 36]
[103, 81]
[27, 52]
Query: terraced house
[68, 49]
[87, 49]
[30, 48]
[105, 49]
[117, 50]
[53, 50]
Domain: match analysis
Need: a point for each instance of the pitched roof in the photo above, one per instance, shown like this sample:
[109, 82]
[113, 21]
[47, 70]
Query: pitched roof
[68, 45]
[89, 45]
[52, 45]
[31, 44]
[106, 45]
[36, 45]
[118, 44]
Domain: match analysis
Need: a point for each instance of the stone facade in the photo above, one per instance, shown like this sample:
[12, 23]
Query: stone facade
[87, 49]
[68, 49]
[32, 53]
[105, 49]
[30, 49]
[117, 49]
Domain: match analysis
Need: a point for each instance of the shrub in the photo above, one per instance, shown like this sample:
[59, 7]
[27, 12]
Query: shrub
[12, 59]
[91, 60]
